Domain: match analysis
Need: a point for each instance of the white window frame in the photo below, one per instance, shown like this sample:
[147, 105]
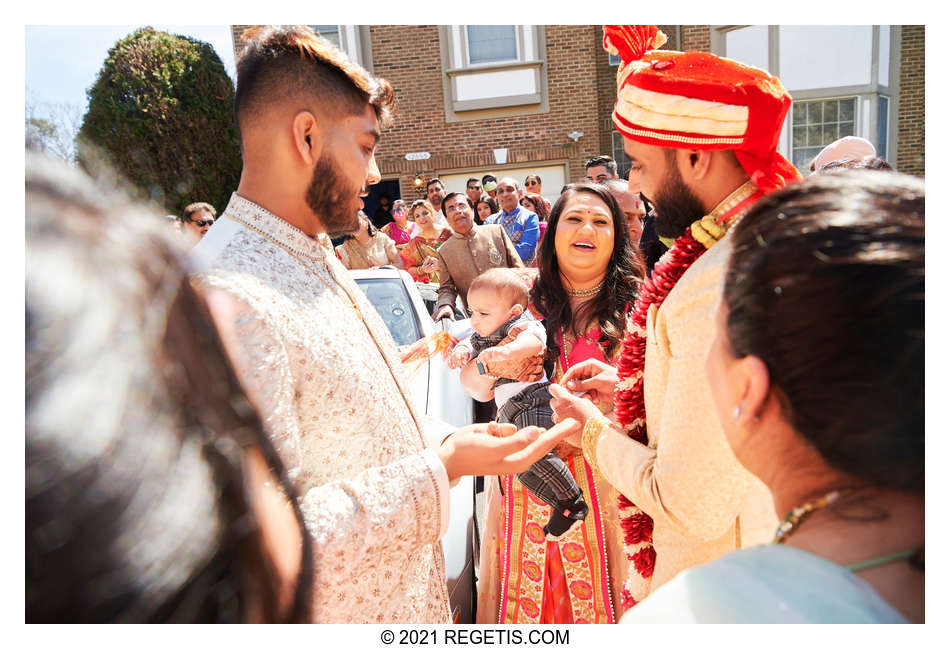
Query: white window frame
[457, 70]
[355, 41]
[866, 122]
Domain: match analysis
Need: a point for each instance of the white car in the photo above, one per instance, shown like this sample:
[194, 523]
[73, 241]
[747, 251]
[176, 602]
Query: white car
[436, 393]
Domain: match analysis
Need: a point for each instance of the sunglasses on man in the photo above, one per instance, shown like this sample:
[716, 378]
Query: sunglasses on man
[531, 183]
[202, 223]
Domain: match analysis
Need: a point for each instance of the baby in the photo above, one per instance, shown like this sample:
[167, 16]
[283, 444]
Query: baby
[497, 300]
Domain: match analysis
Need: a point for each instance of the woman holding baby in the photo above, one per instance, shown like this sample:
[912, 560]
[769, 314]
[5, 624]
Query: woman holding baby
[588, 274]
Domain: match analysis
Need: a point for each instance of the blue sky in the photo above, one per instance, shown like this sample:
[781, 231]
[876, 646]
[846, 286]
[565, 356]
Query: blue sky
[63, 61]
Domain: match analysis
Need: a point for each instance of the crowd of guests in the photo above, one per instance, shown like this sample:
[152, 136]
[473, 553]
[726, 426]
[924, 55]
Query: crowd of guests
[248, 451]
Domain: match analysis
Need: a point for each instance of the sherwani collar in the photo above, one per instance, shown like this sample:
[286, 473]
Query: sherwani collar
[253, 215]
[467, 235]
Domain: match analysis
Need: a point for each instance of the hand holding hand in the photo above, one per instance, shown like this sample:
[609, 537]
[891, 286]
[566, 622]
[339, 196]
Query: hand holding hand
[596, 378]
[567, 407]
[497, 449]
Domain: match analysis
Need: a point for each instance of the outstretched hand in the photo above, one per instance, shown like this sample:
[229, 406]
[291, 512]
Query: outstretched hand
[596, 378]
[498, 449]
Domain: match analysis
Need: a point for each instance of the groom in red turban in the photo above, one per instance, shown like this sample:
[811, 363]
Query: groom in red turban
[701, 134]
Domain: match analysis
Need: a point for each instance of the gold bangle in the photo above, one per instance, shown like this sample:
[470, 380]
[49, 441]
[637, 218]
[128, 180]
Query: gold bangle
[592, 430]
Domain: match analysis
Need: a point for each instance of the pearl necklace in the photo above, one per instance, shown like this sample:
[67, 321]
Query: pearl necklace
[585, 292]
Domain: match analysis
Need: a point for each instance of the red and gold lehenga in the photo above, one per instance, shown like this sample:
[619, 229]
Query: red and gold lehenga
[525, 579]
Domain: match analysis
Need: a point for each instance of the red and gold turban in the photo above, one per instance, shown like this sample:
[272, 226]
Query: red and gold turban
[697, 100]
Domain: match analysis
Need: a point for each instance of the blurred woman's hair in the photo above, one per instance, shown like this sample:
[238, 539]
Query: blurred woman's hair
[137, 502]
[624, 272]
[826, 286]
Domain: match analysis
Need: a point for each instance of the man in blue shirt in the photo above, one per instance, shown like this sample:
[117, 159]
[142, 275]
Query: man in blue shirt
[520, 223]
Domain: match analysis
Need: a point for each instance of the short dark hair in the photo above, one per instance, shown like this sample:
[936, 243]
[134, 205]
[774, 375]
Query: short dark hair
[432, 182]
[602, 161]
[488, 177]
[451, 195]
[530, 176]
[471, 180]
[283, 63]
[826, 286]
[193, 208]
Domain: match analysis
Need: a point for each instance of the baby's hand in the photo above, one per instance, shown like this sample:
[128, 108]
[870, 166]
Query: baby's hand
[460, 356]
[495, 355]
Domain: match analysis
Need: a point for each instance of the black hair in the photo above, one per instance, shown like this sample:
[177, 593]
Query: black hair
[137, 502]
[604, 161]
[826, 286]
[432, 182]
[293, 62]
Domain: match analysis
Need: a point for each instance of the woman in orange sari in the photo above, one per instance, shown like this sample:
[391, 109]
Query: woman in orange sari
[588, 275]
[419, 254]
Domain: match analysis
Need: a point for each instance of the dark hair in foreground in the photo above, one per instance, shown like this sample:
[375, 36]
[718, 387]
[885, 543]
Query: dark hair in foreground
[868, 162]
[293, 63]
[624, 272]
[826, 286]
[137, 505]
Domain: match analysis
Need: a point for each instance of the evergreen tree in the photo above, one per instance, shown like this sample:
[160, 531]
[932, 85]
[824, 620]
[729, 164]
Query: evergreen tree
[160, 113]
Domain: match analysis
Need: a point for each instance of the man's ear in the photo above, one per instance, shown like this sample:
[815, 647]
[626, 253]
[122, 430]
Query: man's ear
[307, 139]
[695, 163]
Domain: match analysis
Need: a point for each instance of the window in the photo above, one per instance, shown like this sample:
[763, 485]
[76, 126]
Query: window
[493, 71]
[815, 124]
[613, 59]
[491, 43]
[883, 103]
[329, 32]
[623, 162]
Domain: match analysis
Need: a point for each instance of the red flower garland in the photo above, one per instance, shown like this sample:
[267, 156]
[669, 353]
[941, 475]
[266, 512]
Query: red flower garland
[636, 524]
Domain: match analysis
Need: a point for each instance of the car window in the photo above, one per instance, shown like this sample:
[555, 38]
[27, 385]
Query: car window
[389, 297]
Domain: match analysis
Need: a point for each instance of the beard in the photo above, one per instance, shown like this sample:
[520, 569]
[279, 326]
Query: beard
[328, 191]
[676, 207]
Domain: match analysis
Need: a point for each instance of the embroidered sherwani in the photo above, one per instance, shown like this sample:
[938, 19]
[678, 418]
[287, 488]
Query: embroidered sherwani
[703, 502]
[521, 226]
[323, 370]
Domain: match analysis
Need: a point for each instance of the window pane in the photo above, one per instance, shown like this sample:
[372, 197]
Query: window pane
[814, 112]
[798, 113]
[814, 134]
[829, 133]
[846, 110]
[329, 32]
[830, 112]
[798, 136]
[487, 43]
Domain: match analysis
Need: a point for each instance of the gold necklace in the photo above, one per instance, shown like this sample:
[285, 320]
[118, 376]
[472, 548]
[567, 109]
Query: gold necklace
[585, 292]
[797, 516]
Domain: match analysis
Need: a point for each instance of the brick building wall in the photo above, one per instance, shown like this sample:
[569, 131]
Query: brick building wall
[910, 106]
[695, 38]
[408, 56]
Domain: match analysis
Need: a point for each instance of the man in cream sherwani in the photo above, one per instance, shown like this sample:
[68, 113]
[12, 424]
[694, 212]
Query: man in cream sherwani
[313, 353]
